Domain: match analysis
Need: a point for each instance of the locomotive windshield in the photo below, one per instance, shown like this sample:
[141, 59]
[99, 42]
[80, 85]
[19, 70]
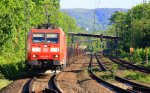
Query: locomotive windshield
[37, 38]
[52, 38]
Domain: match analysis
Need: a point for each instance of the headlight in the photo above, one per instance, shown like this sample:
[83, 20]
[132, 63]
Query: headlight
[35, 56]
[36, 49]
[55, 56]
[54, 49]
[45, 46]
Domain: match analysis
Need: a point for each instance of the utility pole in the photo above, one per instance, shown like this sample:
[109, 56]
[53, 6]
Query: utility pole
[144, 1]
[48, 15]
[144, 11]
[95, 17]
[72, 40]
[147, 55]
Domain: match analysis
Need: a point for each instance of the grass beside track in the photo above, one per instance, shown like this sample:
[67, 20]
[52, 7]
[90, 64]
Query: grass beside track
[4, 82]
[108, 76]
[127, 74]
[135, 75]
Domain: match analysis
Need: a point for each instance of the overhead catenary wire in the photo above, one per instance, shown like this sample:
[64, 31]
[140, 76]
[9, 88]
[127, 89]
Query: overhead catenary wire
[144, 1]
[95, 16]
[99, 3]
[96, 6]
[132, 30]
[144, 21]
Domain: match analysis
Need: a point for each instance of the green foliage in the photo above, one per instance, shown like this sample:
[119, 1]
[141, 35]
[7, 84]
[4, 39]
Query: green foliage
[138, 57]
[96, 69]
[4, 83]
[107, 76]
[133, 27]
[12, 70]
[1, 76]
[17, 17]
[141, 77]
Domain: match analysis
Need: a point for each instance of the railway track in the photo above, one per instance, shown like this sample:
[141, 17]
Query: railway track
[129, 65]
[44, 83]
[134, 86]
[103, 82]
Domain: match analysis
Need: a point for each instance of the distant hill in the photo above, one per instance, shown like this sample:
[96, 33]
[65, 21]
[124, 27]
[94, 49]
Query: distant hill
[85, 17]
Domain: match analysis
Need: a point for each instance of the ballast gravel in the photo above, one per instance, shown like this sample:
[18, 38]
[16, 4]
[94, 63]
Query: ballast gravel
[76, 79]
[18, 86]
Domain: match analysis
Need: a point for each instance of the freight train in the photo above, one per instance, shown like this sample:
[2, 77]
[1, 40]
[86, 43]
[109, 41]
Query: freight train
[46, 47]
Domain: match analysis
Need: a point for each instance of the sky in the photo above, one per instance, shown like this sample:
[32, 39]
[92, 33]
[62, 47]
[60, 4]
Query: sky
[91, 4]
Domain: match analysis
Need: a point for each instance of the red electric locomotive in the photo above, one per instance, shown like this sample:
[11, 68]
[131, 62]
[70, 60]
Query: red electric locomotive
[46, 47]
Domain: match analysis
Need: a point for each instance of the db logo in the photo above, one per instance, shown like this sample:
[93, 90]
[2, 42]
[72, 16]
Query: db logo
[45, 49]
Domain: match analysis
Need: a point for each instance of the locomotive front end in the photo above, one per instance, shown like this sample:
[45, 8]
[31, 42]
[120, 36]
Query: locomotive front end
[44, 48]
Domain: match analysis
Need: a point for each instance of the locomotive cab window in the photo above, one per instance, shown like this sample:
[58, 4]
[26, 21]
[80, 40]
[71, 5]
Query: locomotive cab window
[52, 38]
[37, 38]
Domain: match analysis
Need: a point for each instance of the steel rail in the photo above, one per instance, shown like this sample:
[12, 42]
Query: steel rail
[55, 85]
[113, 87]
[135, 86]
[139, 67]
[54, 89]
[31, 85]
[129, 65]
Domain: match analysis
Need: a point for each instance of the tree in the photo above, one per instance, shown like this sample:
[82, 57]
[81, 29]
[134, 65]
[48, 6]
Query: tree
[133, 27]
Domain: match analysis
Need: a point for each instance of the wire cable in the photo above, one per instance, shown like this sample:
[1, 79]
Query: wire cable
[99, 3]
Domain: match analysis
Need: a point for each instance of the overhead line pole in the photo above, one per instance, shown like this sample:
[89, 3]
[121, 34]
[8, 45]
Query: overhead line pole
[95, 16]
[144, 11]
[144, 1]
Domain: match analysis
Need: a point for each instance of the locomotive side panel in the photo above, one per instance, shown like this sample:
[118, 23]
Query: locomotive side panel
[62, 48]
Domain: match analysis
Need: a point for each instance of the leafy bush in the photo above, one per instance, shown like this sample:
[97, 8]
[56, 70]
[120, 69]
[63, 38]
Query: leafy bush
[1, 76]
[12, 70]
[135, 76]
[4, 83]
[96, 69]
[141, 77]
[138, 57]
[107, 76]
